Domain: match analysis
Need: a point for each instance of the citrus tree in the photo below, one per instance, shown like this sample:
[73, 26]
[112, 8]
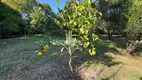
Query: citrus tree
[77, 21]
[80, 18]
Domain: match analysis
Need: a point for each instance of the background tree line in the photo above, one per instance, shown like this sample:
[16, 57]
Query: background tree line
[118, 17]
[25, 17]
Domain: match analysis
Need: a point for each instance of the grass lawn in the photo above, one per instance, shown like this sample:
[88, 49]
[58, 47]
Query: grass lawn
[19, 61]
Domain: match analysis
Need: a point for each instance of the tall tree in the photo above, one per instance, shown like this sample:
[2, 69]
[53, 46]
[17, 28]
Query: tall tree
[24, 7]
[36, 15]
[111, 10]
[42, 19]
[133, 31]
[11, 22]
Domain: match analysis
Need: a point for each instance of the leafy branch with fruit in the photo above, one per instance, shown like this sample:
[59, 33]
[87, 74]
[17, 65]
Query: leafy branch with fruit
[77, 20]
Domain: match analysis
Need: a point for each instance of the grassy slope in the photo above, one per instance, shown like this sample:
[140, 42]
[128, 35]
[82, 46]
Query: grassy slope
[112, 63]
[18, 61]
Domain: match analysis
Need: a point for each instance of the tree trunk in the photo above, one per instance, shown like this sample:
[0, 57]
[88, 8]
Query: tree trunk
[70, 64]
[109, 35]
[131, 47]
[25, 31]
[70, 59]
[0, 35]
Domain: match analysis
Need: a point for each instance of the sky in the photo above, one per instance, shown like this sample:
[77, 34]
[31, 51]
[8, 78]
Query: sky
[51, 2]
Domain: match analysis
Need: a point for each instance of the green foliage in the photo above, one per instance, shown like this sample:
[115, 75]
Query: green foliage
[80, 18]
[38, 17]
[11, 22]
[133, 30]
[58, 0]
[111, 20]
[48, 24]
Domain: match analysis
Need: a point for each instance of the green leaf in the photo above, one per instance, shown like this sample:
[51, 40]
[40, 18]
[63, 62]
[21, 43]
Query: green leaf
[85, 37]
[36, 51]
[75, 35]
[69, 17]
[66, 31]
[58, 0]
[100, 13]
[74, 23]
[86, 44]
[87, 22]
[64, 24]
[70, 22]
[54, 4]
[60, 10]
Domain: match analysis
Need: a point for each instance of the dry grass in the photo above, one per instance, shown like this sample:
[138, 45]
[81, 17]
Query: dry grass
[114, 66]
[131, 67]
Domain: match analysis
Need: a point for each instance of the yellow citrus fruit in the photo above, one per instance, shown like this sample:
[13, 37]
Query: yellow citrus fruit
[82, 30]
[93, 49]
[39, 53]
[46, 47]
[44, 50]
[86, 31]
[93, 53]
[89, 50]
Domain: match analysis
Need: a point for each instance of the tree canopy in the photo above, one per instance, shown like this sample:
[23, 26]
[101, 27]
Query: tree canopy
[11, 22]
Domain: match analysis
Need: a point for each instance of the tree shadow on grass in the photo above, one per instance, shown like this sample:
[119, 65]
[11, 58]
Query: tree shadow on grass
[105, 46]
[80, 57]
[101, 48]
[93, 63]
[120, 41]
[140, 78]
[104, 59]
